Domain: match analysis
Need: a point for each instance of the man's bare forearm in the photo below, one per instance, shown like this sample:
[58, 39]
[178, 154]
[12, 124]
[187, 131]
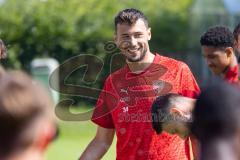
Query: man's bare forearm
[99, 145]
[95, 150]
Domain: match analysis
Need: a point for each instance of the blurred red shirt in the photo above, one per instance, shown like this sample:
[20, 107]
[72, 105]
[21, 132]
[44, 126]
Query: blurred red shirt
[232, 75]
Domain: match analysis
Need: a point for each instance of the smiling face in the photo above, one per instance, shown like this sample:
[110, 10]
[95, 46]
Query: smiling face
[132, 40]
[217, 60]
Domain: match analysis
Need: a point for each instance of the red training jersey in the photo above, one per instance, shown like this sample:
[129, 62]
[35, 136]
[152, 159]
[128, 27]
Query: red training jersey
[125, 105]
[232, 75]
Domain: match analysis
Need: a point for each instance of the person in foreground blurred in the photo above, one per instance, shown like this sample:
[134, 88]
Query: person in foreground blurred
[26, 121]
[218, 50]
[216, 122]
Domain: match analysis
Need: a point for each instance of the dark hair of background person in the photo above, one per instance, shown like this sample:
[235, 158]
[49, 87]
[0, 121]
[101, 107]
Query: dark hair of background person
[161, 111]
[217, 36]
[236, 34]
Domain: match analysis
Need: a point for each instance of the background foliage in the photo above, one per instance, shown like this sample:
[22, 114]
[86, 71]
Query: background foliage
[62, 29]
[65, 28]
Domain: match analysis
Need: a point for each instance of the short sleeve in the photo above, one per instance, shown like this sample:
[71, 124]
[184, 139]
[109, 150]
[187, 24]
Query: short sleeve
[105, 104]
[189, 87]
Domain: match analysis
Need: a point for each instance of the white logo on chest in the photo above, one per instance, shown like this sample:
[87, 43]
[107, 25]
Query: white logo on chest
[125, 109]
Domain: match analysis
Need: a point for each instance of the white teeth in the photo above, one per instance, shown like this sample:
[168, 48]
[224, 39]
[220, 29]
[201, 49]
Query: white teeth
[133, 50]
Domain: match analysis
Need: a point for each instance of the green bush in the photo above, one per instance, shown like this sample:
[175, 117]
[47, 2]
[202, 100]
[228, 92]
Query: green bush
[65, 28]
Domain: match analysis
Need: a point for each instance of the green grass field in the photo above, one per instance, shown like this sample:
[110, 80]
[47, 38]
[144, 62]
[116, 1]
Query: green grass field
[73, 139]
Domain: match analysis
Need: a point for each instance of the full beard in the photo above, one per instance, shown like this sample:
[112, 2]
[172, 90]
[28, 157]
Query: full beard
[142, 55]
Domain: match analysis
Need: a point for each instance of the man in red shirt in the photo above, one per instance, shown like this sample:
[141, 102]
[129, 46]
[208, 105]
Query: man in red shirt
[217, 47]
[124, 105]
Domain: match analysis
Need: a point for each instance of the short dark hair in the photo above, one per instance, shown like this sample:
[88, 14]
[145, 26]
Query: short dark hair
[161, 111]
[216, 113]
[236, 32]
[217, 36]
[130, 16]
